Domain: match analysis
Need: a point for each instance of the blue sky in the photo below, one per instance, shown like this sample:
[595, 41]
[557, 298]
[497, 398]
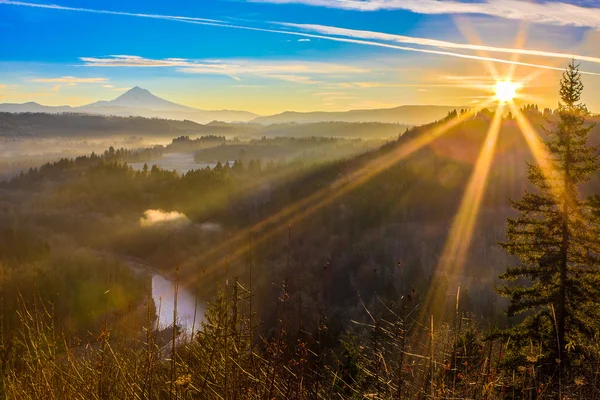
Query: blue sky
[337, 54]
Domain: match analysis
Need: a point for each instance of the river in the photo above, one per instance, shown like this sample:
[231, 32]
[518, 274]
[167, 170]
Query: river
[163, 294]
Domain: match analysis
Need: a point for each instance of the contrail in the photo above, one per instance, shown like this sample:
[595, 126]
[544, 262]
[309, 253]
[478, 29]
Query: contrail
[390, 46]
[94, 11]
[220, 23]
[361, 34]
[543, 12]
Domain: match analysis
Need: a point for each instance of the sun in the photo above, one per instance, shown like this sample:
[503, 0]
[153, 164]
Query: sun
[506, 90]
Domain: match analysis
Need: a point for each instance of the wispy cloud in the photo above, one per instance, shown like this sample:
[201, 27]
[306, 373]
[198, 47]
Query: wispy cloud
[396, 47]
[69, 80]
[297, 72]
[134, 61]
[361, 34]
[96, 11]
[434, 6]
[304, 40]
[555, 13]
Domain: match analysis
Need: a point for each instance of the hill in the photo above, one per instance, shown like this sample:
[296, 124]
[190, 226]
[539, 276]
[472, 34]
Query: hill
[84, 125]
[409, 115]
[89, 125]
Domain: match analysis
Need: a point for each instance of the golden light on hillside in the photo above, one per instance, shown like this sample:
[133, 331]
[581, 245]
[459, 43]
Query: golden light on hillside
[500, 90]
[506, 90]
[461, 233]
[308, 206]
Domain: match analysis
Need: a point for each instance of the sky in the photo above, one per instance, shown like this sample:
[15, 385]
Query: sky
[270, 56]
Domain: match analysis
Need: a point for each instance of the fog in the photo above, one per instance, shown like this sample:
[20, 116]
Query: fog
[180, 162]
[164, 219]
[21, 153]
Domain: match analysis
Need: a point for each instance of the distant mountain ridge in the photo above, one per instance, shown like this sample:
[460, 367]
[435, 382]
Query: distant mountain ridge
[39, 124]
[142, 103]
[409, 115]
[137, 102]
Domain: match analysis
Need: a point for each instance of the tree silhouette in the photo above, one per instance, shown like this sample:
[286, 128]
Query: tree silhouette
[557, 284]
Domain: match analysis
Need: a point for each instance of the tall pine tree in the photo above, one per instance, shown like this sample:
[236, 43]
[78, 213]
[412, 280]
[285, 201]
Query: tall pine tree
[557, 284]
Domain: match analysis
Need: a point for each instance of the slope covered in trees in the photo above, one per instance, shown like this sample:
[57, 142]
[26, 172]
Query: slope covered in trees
[94, 126]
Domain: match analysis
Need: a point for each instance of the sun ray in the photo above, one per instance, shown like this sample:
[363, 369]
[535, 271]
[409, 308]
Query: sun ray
[462, 228]
[519, 44]
[539, 151]
[459, 238]
[471, 35]
[536, 145]
[308, 206]
[453, 257]
[461, 233]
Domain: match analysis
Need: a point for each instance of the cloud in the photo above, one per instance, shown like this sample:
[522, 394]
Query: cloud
[306, 80]
[290, 71]
[56, 88]
[249, 86]
[134, 61]
[361, 34]
[115, 89]
[96, 11]
[69, 80]
[304, 40]
[428, 51]
[164, 218]
[396, 47]
[211, 227]
[554, 13]
[568, 14]
[175, 220]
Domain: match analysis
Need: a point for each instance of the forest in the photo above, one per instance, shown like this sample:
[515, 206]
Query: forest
[315, 264]
[89, 125]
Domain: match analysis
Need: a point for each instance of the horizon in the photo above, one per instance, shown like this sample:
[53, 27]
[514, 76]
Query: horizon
[306, 55]
[457, 107]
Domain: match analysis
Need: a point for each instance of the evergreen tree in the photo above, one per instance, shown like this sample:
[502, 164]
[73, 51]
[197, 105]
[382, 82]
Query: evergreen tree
[557, 285]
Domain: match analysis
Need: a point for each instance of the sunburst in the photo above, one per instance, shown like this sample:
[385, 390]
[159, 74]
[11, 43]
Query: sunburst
[506, 90]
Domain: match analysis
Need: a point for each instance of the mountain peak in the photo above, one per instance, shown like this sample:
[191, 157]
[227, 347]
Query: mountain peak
[138, 97]
[137, 92]
[137, 89]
